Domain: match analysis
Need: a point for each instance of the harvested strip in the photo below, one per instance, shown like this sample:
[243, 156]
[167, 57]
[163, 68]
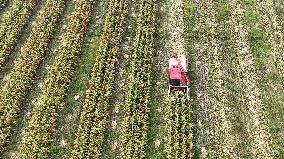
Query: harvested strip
[222, 141]
[257, 123]
[41, 126]
[228, 62]
[267, 45]
[198, 85]
[197, 76]
[14, 24]
[14, 91]
[220, 138]
[90, 134]
[176, 26]
[135, 125]
[179, 133]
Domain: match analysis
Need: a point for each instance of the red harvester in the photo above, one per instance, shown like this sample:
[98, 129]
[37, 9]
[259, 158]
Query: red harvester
[179, 81]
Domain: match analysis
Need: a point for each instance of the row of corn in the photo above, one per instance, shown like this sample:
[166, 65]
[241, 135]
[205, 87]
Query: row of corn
[12, 23]
[40, 127]
[13, 93]
[179, 124]
[135, 123]
[91, 130]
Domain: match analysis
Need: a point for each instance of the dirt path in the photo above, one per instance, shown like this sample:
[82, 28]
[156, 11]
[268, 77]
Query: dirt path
[256, 121]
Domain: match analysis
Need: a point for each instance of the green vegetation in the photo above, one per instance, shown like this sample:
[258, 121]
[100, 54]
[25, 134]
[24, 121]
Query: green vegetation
[89, 79]
[179, 127]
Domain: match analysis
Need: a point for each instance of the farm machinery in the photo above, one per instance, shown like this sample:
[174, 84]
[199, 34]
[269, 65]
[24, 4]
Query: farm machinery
[178, 78]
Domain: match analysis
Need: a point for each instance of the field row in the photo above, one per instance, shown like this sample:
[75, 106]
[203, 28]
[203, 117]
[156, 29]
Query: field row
[91, 131]
[135, 124]
[12, 24]
[14, 91]
[179, 127]
[45, 113]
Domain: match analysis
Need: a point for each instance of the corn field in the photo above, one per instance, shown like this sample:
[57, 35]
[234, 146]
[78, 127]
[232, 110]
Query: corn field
[89, 79]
